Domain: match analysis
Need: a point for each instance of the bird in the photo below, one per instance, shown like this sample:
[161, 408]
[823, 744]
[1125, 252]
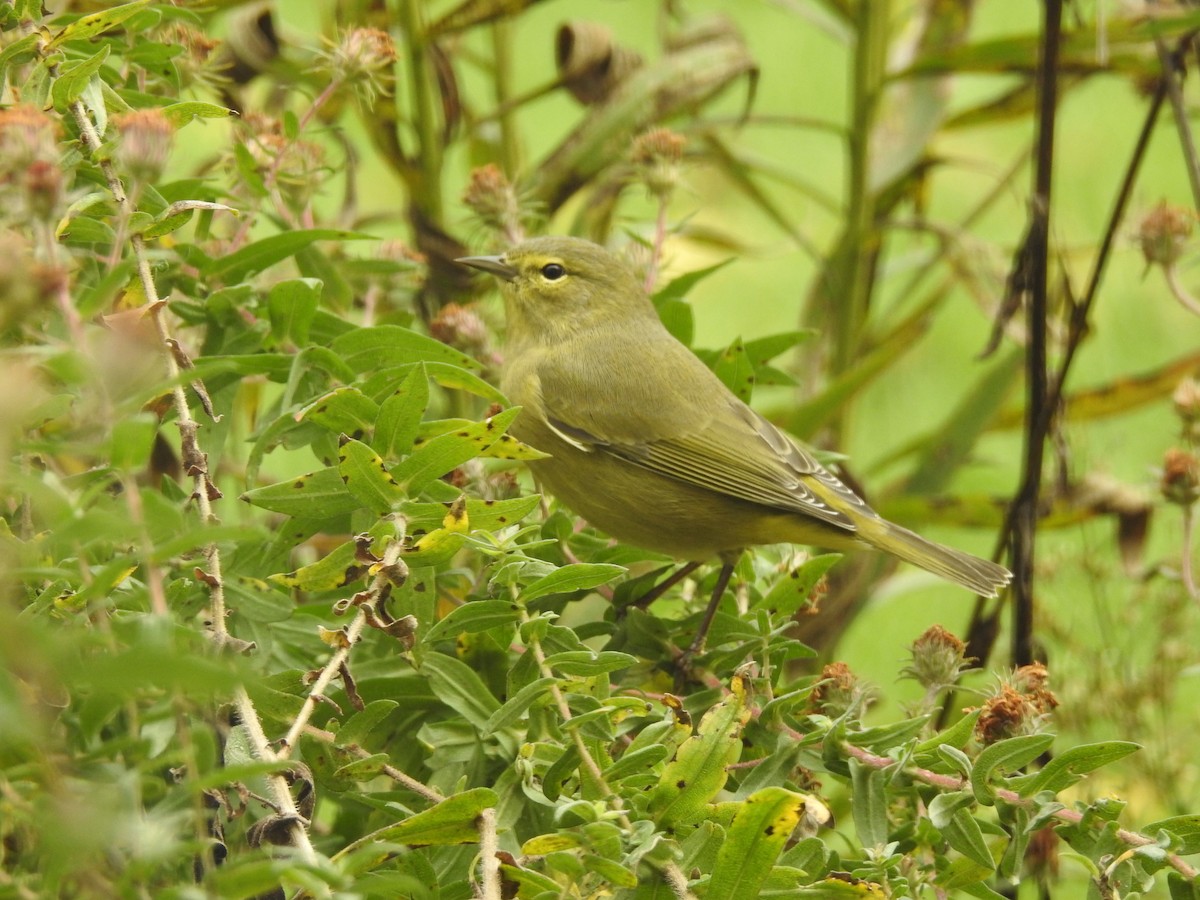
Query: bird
[647, 444]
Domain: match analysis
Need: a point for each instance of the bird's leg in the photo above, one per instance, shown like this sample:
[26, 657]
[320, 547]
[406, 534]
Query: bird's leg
[683, 665]
[665, 585]
[718, 592]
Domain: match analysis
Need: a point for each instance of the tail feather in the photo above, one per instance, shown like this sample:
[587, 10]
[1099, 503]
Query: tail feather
[979, 575]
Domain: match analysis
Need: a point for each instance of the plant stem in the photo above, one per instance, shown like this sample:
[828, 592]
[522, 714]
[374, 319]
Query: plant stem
[1024, 521]
[955, 783]
[489, 864]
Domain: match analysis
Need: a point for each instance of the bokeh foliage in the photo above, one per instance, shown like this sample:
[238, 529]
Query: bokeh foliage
[283, 615]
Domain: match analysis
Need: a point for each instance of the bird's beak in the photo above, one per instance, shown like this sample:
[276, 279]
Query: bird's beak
[494, 265]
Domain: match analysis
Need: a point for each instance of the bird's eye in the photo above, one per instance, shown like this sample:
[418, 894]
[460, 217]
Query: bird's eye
[553, 271]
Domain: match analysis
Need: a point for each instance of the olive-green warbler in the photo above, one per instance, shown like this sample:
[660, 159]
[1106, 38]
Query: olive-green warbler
[649, 445]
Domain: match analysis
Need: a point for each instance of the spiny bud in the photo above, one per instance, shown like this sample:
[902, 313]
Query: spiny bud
[1163, 232]
[197, 64]
[656, 155]
[937, 659]
[1187, 406]
[146, 136]
[1020, 706]
[1180, 477]
[490, 195]
[363, 58]
[27, 136]
[838, 691]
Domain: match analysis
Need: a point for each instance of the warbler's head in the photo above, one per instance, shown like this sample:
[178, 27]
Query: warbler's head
[556, 286]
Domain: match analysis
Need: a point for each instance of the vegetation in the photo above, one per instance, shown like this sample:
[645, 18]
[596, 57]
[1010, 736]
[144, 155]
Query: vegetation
[284, 615]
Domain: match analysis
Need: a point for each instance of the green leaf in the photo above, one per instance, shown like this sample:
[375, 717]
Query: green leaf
[457, 378]
[456, 684]
[571, 578]
[473, 617]
[345, 410]
[367, 478]
[447, 451]
[179, 114]
[264, 253]
[1182, 888]
[1072, 764]
[317, 495]
[869, 803]
[699, 770]
[337, 568]
[359, 726]
[1004, 757]
[791, 592]
[518, 703]
[679, 287]
[734, 368]
[587, 662]
[291, 305]
[955, 735]
[944, 806]
[97, 23]
[762, 826]
[963, 833]
[19, 51]
[483, 515]
[74, 76]
[132, 438]
[364, 768]
[381, 346]
[1185, 830]
[400, 415]
[452, 821]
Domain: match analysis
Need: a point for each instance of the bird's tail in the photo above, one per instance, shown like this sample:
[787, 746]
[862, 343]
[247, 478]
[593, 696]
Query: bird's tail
[979, 575]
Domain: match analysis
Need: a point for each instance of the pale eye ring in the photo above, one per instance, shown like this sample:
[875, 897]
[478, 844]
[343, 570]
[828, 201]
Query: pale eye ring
[553, 271]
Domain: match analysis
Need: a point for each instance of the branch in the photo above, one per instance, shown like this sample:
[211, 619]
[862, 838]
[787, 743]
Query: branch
[954, 783]
[1025, 504]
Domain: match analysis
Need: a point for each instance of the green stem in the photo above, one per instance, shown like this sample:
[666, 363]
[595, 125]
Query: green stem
[425, 187]
[869, 69]
[502, 42]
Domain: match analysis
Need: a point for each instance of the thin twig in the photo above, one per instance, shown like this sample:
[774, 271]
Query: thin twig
[402, 779]
[331, 669]
[1170, 74]
[489, 863]
[564, 710]
[1181, 293]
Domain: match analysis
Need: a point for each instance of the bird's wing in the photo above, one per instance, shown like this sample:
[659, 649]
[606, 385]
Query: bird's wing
[704, 436]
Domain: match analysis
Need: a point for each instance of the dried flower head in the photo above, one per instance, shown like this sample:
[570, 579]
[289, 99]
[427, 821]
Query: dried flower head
[656, 155]
[299, 165]
[1021, 705]
[491, 196]
[43, 183]
[1163, 232]
[838, 692]
[198, 64]
[937, 659]
[1180, 482]
[27, 136]
[461, 328]
[146, 136]
[363, 59]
